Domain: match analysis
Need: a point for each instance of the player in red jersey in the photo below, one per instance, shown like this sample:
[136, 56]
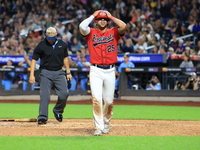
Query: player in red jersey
[103, 47]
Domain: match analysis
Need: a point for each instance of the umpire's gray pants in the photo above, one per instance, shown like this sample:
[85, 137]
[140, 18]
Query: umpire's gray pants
[57, 80]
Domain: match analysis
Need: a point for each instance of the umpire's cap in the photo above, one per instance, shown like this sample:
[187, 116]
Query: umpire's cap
[102, 15]
[51, 33]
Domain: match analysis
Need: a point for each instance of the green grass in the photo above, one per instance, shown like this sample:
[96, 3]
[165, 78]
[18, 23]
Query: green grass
[103, 142]
[120, 112]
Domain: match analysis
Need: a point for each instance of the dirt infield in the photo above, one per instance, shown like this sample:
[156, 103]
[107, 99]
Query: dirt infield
[85, 127]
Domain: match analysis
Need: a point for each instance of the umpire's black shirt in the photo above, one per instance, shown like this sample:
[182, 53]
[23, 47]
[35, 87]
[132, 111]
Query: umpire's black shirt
[51, 56]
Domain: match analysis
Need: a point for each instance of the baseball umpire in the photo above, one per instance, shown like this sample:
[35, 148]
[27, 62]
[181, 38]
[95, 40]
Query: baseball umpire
[103, 47]
[53, 55]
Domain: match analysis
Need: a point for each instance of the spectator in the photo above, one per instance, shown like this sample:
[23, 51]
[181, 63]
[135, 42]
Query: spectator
[134, 36]
[141, 50]
[186, 63]
[180, 49]
[147, 9]
[162, 50]
[8, 77]
[196, 84]
[189, 43]
[74, 81]
[165, 7]
[60, 28]
[120, 5]
[25, 63]
[153, 84]
[153, 38]
[154, 16]
[163, 43]
[178, 25]
[67, 35]
[83, 50]
[125, 64]
[197, 49]
[196, 27]
[191, 21]
[124, 15]
[170, 51]
[192, 82]
[179, 85]
[154, 50]
[184, 30]
[170, 27]
[188, 51]
[147, 26]
[83, 76]
[140, 43]
[133, 14]
[81, 12]
[22, 22]
[76, 45]
[174, 42]
[127, 45]
[183, 13]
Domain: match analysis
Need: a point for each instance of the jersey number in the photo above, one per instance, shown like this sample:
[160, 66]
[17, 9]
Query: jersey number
[111, 48]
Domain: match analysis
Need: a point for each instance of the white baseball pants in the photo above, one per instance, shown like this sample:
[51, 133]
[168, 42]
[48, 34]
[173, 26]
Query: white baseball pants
[102, 84]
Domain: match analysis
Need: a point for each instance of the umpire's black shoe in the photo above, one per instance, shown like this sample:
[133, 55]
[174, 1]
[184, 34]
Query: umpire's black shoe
[58, 117]
[42, 121]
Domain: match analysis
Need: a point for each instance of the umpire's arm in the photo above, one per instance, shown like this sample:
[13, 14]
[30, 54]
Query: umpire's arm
[32, 77]
[66, 64]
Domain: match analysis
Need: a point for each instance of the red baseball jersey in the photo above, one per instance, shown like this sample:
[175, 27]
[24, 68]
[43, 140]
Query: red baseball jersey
[103, 47]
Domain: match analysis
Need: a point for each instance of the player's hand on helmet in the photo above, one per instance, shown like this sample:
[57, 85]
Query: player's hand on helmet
[108, 14]
[96, 13]
[32, 79]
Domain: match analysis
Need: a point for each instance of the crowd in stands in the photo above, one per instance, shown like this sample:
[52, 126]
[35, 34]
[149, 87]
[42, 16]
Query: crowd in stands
[156, 23]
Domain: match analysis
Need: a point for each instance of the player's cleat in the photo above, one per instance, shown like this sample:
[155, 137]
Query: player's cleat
[98, 132]
[42, 121]
[106, 129]
[58, 117]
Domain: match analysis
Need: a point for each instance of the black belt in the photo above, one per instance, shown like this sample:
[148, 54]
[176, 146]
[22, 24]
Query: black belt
[104, 66]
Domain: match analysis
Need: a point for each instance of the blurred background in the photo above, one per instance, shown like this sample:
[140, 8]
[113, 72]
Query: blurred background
[162, 40]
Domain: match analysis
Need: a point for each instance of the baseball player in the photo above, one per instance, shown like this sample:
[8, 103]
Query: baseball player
[53, 55]
[103, 46]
